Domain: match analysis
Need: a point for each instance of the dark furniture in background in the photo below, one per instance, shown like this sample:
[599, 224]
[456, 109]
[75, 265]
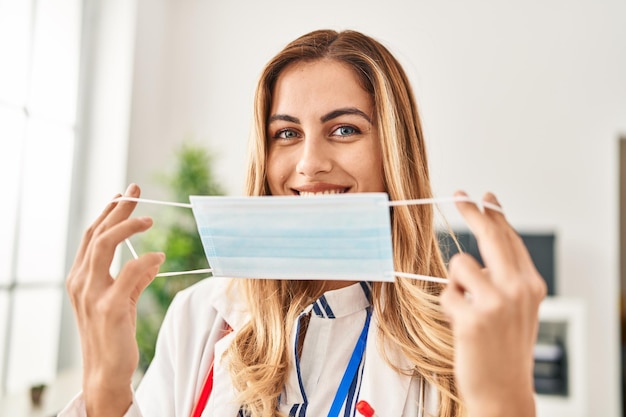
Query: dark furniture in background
[540, 246]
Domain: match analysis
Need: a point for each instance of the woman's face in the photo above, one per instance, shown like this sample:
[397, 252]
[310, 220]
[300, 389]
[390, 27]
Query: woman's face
[321, 135]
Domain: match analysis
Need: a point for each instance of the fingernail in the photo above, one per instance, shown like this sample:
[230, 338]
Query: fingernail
[491, 197]
[145, 219]
[161, 256]
[131, 188]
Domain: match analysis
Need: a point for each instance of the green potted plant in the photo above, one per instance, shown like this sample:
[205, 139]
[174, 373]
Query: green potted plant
[174, 233]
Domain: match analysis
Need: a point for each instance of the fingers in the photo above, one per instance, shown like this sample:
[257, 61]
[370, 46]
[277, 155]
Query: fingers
[495, 237]
[469, 284]
[468, 274]
[97, 238]
[93, 260]
[503, 251]
[123, 209]
[515, 240]
[104, 244]
[112, 214]
[453, 299]
[137, 274]
[90, 231]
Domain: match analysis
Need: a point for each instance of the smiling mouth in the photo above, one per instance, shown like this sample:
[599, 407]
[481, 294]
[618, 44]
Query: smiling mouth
[310, 193]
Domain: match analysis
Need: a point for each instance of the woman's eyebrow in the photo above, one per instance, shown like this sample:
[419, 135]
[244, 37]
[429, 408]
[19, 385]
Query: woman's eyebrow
[325, 118]
[284, 117]
[347, 110]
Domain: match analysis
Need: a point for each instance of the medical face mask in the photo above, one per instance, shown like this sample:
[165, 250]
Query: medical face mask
[326, 237]
[331, 237]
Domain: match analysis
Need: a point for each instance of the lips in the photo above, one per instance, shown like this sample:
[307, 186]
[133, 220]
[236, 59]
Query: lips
[319, 189]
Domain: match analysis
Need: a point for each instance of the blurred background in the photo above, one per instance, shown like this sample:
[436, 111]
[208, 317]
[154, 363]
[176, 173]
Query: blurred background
[525, 99]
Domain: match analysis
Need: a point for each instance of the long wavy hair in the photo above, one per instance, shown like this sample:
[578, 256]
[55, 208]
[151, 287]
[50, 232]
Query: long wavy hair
[408, 311]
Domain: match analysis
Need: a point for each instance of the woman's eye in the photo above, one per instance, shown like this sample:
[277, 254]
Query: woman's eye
[345, 131]
[286, 134]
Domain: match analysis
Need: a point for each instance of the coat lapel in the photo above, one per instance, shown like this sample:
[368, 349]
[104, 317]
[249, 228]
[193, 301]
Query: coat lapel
[223, 399]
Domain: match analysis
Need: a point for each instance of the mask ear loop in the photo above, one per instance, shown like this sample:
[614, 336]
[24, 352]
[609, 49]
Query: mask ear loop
[420, 201]
[145, 200]
[438, 200]
[435, 201]
[168, 274]
[163, 203]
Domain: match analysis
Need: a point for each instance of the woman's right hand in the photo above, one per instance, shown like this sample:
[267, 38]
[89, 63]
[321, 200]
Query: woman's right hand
[105, 307]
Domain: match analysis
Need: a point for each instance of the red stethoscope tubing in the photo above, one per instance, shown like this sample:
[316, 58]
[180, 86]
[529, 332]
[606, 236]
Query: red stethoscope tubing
[207, 387]
[362, 406]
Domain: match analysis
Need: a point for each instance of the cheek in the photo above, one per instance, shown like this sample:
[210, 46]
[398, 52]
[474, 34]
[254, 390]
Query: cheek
[276, 172]
[375, 177]
[368, 168]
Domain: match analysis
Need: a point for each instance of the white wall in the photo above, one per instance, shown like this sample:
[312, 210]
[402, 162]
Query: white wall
[526, 99]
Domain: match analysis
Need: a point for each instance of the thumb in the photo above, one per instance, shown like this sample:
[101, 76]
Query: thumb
[138, 273]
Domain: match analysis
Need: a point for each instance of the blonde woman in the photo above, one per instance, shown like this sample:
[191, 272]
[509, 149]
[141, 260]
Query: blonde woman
[334, 113]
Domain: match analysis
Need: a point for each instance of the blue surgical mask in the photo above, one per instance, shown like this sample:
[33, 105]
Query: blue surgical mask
[326, 237]
[329, 237]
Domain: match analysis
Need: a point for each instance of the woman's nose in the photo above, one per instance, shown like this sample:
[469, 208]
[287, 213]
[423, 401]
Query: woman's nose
[315, 157]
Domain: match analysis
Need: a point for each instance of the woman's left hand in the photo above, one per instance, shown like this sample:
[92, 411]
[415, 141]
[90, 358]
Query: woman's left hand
[494, 316]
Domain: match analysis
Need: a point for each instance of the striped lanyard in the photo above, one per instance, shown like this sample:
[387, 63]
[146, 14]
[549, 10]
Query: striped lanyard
[353, 366]
[344, 386]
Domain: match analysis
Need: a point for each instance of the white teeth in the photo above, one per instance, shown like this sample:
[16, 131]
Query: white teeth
[309, 194]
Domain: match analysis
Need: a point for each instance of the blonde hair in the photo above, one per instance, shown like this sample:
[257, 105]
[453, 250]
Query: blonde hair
[408, 311]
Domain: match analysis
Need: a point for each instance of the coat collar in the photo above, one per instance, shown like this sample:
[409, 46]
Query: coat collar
[229, 302]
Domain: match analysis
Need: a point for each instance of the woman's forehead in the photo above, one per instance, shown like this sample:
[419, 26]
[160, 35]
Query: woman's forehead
[318, 84]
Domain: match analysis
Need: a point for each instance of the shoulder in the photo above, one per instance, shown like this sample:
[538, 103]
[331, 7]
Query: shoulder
[202, 291]
[209, 298]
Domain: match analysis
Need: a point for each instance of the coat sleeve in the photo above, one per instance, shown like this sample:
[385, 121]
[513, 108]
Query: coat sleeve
[155, 393]
[183, 354]
[76, 408]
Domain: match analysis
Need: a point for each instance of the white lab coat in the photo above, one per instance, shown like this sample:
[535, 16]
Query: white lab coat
[192, 335]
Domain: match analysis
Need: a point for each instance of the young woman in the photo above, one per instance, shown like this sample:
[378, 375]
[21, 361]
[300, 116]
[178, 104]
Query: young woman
[334, 113]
